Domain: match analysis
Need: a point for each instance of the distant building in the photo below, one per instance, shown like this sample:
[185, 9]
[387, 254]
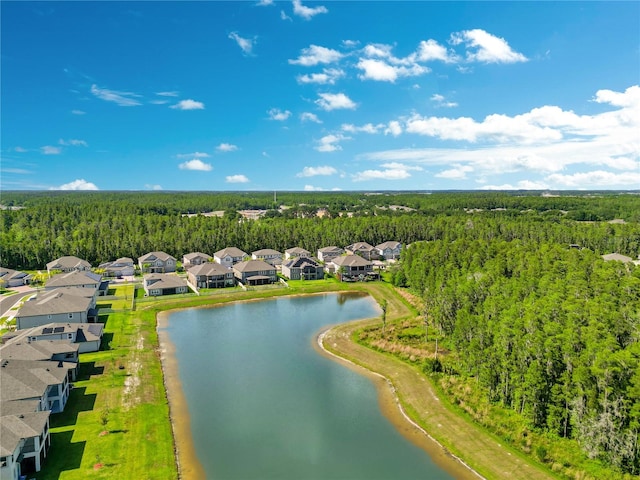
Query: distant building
[211, 275]
[158, 284]
[13, 278]
[229, 256]
[122, 267]
[68, 264]
[326, 254]
[303, 268]
[255, 272]
[197, 258]
[157, 262]
[616, 257]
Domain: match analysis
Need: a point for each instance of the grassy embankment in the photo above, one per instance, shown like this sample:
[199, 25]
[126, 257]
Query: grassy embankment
[116, 424]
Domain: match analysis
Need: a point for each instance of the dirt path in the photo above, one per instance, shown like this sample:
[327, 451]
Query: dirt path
[477, 448]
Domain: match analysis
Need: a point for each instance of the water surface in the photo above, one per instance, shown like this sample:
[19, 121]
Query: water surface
[265, 405]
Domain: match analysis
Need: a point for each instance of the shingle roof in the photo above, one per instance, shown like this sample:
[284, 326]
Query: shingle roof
[266, 251]
[59, 300]
[617, 257]
[13, 428]
[155, 255]
[72, 279]
[163, 280]
[40, 350]
[191, 256]
[390, 244]
[297, 251]
[28, 379]
[8, 274]
[231, 251]
[360, 246]
[300, 262]
[253, 266]
[331, 249]
[351, 261]
[209, 269]
[67, 262]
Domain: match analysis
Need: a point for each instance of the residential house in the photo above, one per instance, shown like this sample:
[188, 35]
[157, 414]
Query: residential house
[13, 278]
[122, 267]
[68, 264]
[326, 254]
[351, 268]
[53, 350]
[48, 382]
[272, 257]
[296, 252]
[157, 262]
[62, 305]
[24, 442]
[89, 280]
[229, 256]
[87, 336]
[389, 250]
[196, 258]
[303, 268]
[157, 284]
[363, 249]
[255, 272]
[211, 275]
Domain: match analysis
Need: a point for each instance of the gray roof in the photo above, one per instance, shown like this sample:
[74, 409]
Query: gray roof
[59, 300]
[209, 269]
[231, 251]
[67, 262]
[163, 280]
[85, 332]
[73, 279]
[253, 266]
[362, 246]
[331, 249]
[297, 251]
[390, 244]
[351, 261]
[40, 350]
[8, 274]
[301, 262]
[119, 263]
[29, 379]
[191, 256]
[266, 251]
[155, 255]
[14, 428]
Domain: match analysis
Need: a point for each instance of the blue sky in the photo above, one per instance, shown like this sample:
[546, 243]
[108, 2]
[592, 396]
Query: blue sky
[320, 95]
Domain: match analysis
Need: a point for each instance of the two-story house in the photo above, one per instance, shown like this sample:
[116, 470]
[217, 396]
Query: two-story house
[195, 258]
[68, 263]
[326, 254]
[351, 268]
[255, 272]
[389, 250]
[211, 275]
[363, 249]
[89, 280]
[122, 267]
[13, 278]
[61, 305]
[303, 268]
[272, 257]
[157, 262]
[296, 252]
[229, 256]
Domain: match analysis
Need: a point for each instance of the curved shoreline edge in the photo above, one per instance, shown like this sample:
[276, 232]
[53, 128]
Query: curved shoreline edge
[385, 387]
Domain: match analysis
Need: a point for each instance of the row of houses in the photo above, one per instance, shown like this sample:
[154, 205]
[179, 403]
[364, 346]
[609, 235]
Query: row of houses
[37, 368]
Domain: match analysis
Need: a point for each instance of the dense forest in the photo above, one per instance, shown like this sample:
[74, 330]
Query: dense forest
[513, 283]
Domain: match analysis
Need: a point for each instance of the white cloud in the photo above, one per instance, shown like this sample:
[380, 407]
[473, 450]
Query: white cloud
[309, 117]
[264, 3]
[335, 101]
[168, 94]
[196, 164]
[629, 98]
[393, 128]
[383, 72]
[311, 188]
[279, 115]
[124, 99]
[188, 104]
[315, 54]
[486, 48]
[306, 12]
[457, 173]
[387, 174]
[327, 77]
[330, 143]
[78, 112]
[153, 187]
[158, 102]
[80, 184]
[367, 128]
[284, 16]
[246, 44]
[431, 50]
[20, 150]
[521, 185]
[236, 179]
[350, 43]
[441, 101]
[50, 150]
[226, 147]
[598, 178]
[193, 155]
[73, 142]
[314, 171]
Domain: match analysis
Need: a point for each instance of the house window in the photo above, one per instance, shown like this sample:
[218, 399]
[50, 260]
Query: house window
[71, 315]
[49, 317]
[70, 336]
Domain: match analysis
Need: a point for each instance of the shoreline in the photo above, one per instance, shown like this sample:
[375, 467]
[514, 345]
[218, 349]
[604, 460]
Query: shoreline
[391, 408]
[189, 467]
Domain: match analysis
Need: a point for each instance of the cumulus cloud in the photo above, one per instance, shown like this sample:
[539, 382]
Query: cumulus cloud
[335, 101]
[314, 171]
[78, 112]
[236, 179]
[226, 147]
[330, 143]
[393, 128]
[153, 187]
[278, 115]
[441, 101]
[124, 99]
[367, 128]
[329, 76]
[457, 173]
[393, 172]
[314, 54]
[486, 48]
[597, 178]
[311, 188]
[188, 104]
[430, 50]
[309, 117]
[307, 12]
[80, 184]
[51, 150]
[246, 44]
[193, 155]
[196, 164]
[382, 71]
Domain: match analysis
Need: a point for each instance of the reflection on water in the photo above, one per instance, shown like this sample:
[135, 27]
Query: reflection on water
[265, 405]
